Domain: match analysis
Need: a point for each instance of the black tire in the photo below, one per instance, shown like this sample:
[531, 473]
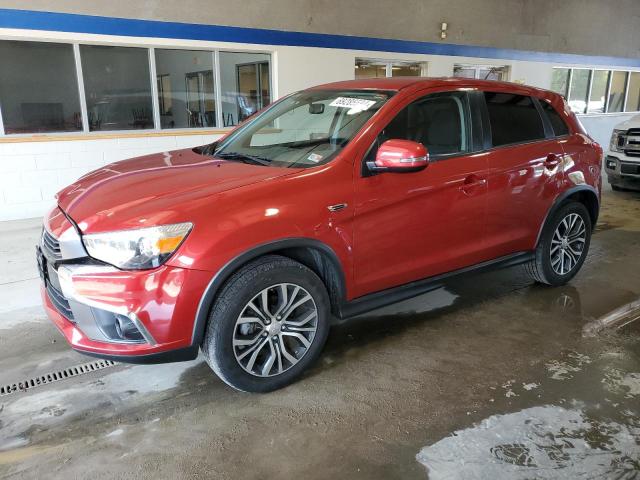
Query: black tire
[540, 268]
[232, 301]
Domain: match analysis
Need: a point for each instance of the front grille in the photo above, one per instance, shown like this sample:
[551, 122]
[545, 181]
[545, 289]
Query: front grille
[50, 246]
[630, 169]
[629, 142]
[59, 301]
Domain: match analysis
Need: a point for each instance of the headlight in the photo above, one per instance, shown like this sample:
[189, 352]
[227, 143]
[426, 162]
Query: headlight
[137, 249]
[613, 146]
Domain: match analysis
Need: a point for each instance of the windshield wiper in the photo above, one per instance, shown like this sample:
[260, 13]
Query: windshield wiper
[244, 157]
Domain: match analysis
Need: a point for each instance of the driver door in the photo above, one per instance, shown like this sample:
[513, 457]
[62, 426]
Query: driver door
[410, 226]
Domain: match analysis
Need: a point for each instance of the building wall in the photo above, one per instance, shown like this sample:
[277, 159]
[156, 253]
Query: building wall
[589, 27]
[33, 168]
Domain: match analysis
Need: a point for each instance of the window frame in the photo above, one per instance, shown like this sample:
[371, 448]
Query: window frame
[86, 132]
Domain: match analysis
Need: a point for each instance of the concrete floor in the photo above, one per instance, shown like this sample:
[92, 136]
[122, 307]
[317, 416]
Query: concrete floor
[489, 377]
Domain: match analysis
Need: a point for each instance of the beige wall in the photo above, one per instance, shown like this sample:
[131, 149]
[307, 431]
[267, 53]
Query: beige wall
[589, 27]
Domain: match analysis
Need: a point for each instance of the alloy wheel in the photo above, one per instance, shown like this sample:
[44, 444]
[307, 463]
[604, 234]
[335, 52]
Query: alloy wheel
[567, 244]
[275, 330]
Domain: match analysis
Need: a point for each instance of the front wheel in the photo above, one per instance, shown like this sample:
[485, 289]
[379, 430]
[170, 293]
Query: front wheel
[563, 245]
[268, 325]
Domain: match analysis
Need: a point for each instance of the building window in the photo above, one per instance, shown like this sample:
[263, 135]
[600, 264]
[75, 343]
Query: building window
[598, 91]
[400, 69]
[41, 91]
[372, 68]
[633, 97]
[560, 80]
[481, 72]
[599, 82]
[579, 89]
[245, 84]
[38, 88]
[617, 91]
[186, 88]
[117, 87]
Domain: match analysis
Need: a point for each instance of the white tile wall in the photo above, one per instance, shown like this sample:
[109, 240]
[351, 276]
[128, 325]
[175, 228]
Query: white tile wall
[32, 172]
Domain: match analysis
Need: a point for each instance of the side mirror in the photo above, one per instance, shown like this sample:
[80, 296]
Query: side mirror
[400, 156]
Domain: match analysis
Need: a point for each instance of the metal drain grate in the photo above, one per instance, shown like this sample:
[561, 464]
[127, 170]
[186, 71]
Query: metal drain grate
[55, 376]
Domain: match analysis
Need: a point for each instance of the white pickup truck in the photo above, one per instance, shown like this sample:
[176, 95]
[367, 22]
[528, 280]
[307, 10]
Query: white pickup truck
[622, 162]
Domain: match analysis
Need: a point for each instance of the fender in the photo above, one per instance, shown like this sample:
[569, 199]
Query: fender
[562, 197]
[207, 299]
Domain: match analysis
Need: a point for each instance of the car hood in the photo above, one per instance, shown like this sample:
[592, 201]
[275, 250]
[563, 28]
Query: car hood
[155, 189]
[633, 122]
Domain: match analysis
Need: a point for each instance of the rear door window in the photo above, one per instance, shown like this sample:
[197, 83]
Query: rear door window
[557, 123]
[513, 118]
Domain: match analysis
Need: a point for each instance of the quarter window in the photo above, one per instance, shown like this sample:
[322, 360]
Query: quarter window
[557, 123]
[437, 121]
[514, 119]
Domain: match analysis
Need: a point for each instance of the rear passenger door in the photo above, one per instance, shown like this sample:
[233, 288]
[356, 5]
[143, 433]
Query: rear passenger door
[525, 170]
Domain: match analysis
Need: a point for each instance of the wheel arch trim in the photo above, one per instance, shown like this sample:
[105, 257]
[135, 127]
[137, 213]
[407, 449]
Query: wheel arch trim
[222, 275]
[560, 199]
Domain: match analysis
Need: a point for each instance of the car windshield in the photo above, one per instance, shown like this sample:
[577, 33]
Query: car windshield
[305, 129]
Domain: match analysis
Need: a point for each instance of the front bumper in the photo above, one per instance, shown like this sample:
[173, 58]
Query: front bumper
[83, 302]
[622, 170]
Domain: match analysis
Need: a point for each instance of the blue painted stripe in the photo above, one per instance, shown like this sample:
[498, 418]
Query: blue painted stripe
[67, 22]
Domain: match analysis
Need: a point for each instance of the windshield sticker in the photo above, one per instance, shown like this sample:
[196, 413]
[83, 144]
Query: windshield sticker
[355, 105]
[314, 157]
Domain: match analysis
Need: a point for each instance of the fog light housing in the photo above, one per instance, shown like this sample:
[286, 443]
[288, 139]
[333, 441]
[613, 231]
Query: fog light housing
[127, 330]
[611, 164]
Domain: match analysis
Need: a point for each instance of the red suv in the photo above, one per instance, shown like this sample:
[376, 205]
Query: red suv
[331, 202]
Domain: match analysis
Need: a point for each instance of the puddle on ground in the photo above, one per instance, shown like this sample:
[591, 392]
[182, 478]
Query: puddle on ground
[566, 368]
[539, 442]
[622, 383]
[47, 407]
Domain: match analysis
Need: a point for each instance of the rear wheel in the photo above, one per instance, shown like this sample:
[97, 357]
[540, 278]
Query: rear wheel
[563, 245]
[268, 325]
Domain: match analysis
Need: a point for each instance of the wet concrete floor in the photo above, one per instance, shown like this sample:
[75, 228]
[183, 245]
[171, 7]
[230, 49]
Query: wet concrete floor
[490, 376]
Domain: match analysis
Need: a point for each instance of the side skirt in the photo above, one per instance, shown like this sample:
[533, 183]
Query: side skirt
[380, 299]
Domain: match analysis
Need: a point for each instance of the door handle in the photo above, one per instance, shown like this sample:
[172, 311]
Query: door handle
[471, 183]
[552, 161]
